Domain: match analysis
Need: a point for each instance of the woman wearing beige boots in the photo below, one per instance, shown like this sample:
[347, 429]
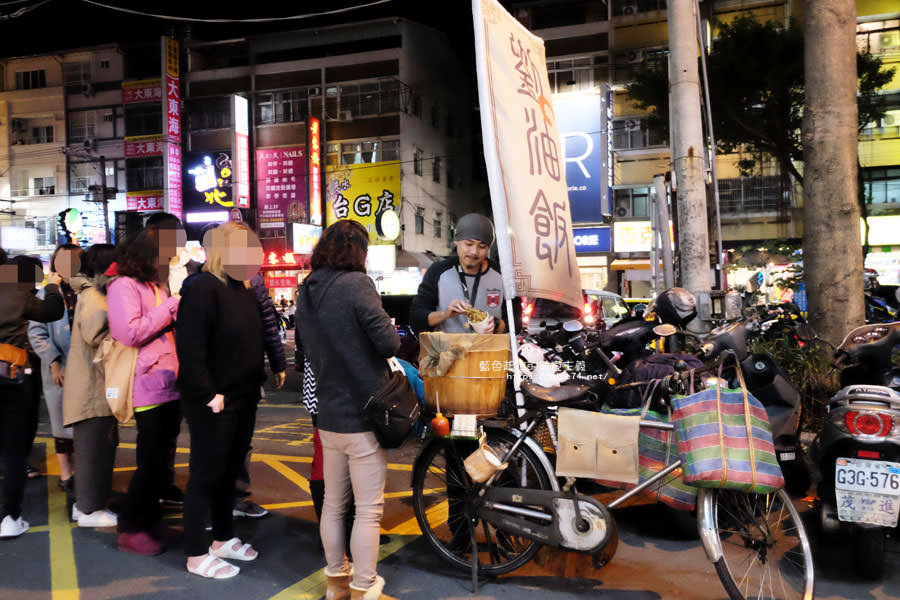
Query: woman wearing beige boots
[341, 325]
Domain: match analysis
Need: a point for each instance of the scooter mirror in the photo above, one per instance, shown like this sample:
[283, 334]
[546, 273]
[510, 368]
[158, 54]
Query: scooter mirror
[665, 330]
[805, 332]
[573, 326]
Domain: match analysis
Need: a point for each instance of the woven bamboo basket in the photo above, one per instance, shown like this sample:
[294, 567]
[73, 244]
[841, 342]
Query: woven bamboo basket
[476, 383]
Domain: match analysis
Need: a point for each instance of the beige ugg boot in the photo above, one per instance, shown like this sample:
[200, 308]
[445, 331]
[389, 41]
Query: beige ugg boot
[338, 586]
[373, 593]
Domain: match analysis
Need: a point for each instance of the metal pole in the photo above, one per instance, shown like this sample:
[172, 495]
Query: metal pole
[105, 201]
[701, 37]
[654, 247]
[687, 161]
[662, 207]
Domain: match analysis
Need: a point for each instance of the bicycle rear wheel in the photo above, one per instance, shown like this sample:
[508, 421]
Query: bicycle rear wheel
[761, 544]
[443, 496]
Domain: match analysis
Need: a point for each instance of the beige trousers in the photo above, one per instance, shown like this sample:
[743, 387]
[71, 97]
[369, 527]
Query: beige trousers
[355, 467]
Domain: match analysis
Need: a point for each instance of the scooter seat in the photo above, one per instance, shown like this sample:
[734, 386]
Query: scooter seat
[554, 395]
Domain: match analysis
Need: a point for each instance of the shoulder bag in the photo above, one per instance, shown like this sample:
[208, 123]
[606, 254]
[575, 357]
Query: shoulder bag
[393, 409]
[12, 363]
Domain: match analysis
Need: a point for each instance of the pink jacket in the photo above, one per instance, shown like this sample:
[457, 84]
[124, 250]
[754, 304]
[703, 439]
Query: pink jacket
[136, 320]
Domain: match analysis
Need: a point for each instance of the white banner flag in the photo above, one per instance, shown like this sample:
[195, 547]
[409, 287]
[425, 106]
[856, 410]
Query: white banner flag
[525, 164]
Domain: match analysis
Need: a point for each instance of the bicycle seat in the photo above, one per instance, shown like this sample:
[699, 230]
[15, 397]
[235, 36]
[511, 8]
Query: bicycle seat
[554, 395]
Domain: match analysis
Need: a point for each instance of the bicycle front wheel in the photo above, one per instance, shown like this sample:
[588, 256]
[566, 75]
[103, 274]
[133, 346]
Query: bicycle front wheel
[443, 500]
[760, 543]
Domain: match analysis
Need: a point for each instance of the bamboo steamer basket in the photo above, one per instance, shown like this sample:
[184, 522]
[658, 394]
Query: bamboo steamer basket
[476, 383]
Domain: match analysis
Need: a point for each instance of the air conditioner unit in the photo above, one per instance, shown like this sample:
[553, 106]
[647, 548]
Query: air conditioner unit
[629, 9]
[889, 120]
[87, 89]
[888, 41]
[632, 125]
[623, 207]
[345, 115]
[635, 56]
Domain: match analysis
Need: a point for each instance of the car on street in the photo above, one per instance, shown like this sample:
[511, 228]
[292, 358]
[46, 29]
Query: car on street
[637, 306]
[602, 309]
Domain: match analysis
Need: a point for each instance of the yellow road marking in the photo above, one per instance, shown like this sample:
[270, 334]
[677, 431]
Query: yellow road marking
[63, 573]
[291, 475]
[436, 514]
[124, 469]
[314, 586]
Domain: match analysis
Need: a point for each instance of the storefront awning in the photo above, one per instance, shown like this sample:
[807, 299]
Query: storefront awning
[631, 264]
[407, 260]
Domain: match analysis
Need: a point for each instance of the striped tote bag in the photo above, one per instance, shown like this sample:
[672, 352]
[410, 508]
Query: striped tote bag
[725, 440]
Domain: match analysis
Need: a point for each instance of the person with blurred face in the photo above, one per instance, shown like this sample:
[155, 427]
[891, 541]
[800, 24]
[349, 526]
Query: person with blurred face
[84, 405]
[51, 343]
[142, 314]
[464, 281]
[219, 341]
[18, 306]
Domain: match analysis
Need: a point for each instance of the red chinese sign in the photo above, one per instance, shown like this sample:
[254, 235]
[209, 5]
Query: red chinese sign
[173, 176]
[147, 90]
[144, 201]
[242, 150]
[281, 282]
[315, 172]
[149, 147]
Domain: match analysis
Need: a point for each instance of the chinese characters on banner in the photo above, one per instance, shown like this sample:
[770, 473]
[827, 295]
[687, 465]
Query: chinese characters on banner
[138, 146]
[361, 192]
[636, 236]
[315, 172]
[144, 201]
[172, 127]
[241, 150]
[146, 90]
[280, 194]
[173, 176]
[524, 160]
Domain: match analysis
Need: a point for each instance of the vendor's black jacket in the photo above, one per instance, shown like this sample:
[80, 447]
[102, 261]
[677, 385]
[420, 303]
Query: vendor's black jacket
[219, 339]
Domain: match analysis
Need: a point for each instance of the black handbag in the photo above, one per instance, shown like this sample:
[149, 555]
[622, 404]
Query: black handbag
[393, 410]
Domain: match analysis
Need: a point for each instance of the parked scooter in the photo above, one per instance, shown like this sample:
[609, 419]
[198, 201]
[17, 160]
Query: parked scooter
[858, 448]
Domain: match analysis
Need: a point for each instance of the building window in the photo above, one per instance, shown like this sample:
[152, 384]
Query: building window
[108, 118]
[143, 119]
[289, 106]
[43, 186]
[29, 80]
[76, 75]
[630, 7]
[451, 174]
[420, 220]
[209, 113]
[41, 135]
[634, 133]
[631, 202]
[878, 37]
[451, 226]
[436, 169]
[438, 224]
[82, 125]
[882, 185]
[104, 63]
[354, 153]
[435, 116]
[417, 161]
[749, 194]
[416, 105]
[626, 63]
[144, 173]
[584, 73]
[371, 98]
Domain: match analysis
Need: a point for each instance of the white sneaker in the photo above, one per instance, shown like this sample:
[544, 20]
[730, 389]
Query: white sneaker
[76, 514]
[10, 528]
[98, 518]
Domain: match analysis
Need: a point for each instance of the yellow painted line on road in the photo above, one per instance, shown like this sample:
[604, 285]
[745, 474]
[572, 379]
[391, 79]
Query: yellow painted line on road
[279, 505]
[63, 573]
[435, 515]
[314, 586]
[123, 469]
[291, 475]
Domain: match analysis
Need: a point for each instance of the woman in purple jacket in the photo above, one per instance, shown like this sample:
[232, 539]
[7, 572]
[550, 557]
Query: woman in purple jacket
[142, 314]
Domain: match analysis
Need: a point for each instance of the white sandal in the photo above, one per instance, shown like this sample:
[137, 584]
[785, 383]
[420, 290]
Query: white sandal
[226, 551]
[212, 568]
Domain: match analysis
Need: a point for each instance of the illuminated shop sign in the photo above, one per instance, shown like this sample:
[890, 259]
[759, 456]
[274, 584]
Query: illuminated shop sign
[363, 192]
[315, 172]
[208, 176]
[172, 127]
[305, 237]
[635, 236]
[146, 145]
[146, 200]
[146, 90]
[280, 195]
[591, 239]
[241, 150]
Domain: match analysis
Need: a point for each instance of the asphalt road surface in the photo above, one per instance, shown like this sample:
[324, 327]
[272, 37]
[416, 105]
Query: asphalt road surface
[58, 560]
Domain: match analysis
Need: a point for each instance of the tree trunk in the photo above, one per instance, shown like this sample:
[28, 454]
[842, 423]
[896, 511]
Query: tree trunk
[831, 245]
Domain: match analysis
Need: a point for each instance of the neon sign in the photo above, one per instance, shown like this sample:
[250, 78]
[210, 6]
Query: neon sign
[315, 173]
[212, 178]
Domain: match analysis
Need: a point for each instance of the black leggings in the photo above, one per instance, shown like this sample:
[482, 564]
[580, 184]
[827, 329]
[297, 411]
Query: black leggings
[157, 428]
[219, 444]
[15, 429]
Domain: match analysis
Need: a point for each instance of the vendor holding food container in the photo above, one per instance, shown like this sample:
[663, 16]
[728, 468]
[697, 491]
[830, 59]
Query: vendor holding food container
[463, 293]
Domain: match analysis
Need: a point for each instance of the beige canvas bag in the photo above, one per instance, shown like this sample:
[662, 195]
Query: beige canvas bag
[598, 445]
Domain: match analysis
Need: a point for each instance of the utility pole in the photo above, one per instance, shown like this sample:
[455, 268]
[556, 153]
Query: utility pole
[687, 153]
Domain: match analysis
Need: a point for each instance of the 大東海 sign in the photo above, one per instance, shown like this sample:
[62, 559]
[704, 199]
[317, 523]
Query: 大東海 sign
[362, 193]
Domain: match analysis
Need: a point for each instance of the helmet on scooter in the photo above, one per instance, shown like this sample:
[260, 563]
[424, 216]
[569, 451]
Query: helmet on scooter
[676, 306]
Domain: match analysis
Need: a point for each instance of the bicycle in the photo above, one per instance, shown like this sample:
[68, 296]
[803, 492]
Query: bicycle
[757, 543]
